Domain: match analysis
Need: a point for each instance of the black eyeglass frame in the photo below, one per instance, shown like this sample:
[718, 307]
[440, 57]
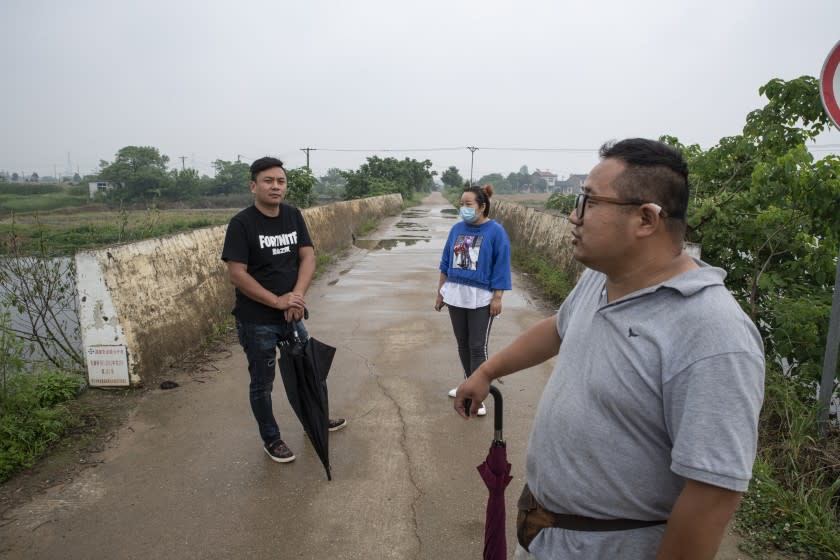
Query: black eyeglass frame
[581, 198]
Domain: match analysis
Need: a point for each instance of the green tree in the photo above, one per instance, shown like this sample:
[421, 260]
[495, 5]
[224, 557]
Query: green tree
[139, 173]
[389, 175]
[331, 185]
[452, 178]
[186, 184]
[301, 185]
[232, 177]
[769, 213]
[519, 181]
[498, 181]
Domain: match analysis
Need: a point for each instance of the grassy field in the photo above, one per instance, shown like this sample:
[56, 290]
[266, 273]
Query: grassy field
[533, 200]
[62, 232]
[23, 197]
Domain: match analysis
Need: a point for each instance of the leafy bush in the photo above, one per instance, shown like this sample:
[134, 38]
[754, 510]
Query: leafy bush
[32, 411]
[562, 202]
[33, 416]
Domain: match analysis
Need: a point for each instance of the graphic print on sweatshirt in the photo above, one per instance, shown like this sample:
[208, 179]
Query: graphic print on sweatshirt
[466, 250]
[279, 244]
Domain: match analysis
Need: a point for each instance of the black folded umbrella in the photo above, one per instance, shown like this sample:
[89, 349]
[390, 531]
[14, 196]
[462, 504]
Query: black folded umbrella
[304, 367]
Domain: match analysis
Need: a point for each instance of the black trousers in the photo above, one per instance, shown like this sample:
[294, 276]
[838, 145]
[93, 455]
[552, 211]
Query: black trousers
[472, 332]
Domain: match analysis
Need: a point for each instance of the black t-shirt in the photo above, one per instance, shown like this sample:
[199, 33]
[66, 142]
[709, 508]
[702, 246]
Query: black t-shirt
[269, 246]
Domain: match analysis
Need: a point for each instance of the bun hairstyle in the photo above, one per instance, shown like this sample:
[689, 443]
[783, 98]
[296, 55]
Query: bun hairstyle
[482, 196]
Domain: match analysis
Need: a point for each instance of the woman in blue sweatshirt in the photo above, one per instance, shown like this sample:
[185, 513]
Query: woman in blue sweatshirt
[474, 273]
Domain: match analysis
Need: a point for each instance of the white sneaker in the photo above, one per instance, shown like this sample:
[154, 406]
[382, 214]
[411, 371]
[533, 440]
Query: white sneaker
[452, 392]
[482, 410]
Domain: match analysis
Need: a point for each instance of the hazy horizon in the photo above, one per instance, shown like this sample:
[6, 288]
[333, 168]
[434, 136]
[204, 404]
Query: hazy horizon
[212, 80]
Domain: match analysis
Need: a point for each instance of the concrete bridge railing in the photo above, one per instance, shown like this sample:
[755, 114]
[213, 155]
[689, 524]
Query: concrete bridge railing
[539, 233]
[141, 305]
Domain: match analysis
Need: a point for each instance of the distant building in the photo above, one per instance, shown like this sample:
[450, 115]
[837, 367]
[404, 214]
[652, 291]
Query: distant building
[572, 185]
[99, 187]
[547, 176]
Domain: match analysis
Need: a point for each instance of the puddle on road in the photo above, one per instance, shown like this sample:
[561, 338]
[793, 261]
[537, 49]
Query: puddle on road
[415, 214]
[388, 244]
[449, 212]
[411, 226]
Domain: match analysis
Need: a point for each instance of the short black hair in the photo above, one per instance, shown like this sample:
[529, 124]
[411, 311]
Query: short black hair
[655, 172]
[264, 163]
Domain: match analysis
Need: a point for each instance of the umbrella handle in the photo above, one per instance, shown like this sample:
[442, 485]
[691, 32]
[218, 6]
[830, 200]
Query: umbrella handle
[498, 410]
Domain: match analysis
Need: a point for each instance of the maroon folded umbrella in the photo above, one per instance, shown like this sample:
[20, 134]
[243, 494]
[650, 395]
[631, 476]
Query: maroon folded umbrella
[495, 471]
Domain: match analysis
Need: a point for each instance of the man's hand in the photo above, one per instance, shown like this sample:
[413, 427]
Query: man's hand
[476, 388]
[293, 314]
[291, 301]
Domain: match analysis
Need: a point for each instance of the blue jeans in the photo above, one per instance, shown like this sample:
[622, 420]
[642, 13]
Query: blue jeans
[260, 343]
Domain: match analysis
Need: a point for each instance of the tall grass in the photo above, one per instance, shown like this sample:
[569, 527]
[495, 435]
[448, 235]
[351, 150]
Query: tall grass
[794, 501]
[554, 284]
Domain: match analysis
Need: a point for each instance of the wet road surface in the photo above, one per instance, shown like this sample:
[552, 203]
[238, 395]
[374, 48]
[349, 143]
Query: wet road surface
[187, 476]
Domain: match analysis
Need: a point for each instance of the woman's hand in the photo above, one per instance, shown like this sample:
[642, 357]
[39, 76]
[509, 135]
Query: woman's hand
[495, 306]
[439, 302]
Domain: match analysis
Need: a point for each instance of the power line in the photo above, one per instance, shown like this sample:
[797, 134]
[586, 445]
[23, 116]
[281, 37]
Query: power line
[388, 149]
[566, 150]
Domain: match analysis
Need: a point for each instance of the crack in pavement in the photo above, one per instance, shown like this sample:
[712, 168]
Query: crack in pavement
[418, 494]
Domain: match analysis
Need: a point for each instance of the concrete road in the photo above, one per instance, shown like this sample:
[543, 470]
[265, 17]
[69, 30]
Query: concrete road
[187, 476]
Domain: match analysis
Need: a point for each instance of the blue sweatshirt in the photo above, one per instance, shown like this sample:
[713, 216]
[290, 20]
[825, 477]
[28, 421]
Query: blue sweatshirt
[477, 256]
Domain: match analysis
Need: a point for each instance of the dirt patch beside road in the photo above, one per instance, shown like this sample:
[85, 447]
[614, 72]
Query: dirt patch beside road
[99, 415]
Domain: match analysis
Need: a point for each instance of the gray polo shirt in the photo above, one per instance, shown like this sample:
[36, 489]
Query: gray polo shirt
[661, 385]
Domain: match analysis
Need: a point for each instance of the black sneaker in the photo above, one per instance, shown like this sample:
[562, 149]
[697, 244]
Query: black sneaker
[337, 424]
[280, 452]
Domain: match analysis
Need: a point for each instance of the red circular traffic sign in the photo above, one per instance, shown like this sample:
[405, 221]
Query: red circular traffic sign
[830, 84]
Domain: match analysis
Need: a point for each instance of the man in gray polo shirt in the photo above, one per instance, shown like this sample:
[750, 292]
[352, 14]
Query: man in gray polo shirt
[646, 432]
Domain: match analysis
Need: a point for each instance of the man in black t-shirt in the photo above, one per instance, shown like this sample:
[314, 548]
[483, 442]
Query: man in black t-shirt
[270, 261]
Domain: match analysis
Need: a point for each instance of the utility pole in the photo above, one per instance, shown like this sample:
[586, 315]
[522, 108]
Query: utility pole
[830, 357]
[307, 150]
[472, 150]
[182, 158]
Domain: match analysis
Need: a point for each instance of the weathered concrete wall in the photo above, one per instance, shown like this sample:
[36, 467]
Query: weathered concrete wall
[547, 235]
[162, 297]
[540, 233]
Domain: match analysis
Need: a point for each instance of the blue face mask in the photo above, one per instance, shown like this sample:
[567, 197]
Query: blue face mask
[468, 214]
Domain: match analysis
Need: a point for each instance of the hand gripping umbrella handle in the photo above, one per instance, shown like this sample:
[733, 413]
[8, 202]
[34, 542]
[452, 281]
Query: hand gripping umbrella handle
[498, 413]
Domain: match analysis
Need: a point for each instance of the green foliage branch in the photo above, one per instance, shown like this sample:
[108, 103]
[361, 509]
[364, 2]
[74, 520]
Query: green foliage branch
[766, 211]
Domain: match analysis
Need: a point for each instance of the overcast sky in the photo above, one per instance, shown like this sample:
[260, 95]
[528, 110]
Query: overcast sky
[213, 79]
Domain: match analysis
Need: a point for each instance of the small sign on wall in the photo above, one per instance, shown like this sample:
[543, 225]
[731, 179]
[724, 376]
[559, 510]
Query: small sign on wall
[107, 366]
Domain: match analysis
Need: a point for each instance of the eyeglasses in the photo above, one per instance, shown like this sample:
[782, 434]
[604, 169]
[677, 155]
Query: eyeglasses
[582, 198]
